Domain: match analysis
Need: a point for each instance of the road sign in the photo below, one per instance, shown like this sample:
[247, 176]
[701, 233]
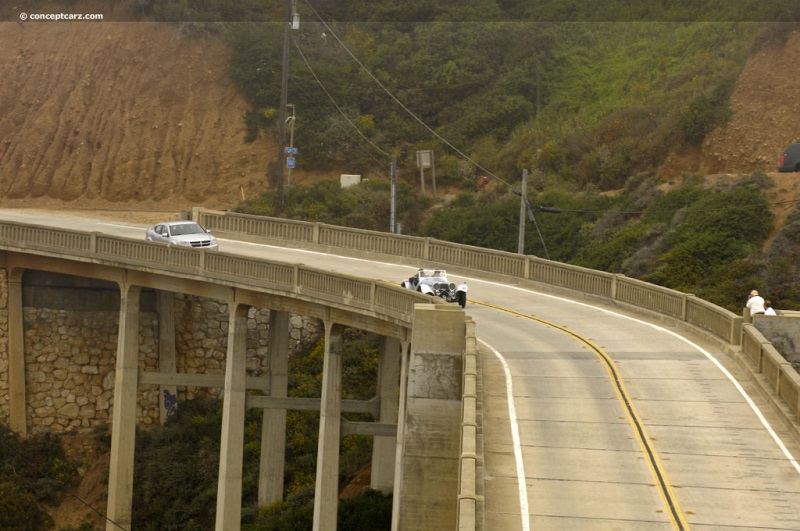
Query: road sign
[290, 162]
[291, 151]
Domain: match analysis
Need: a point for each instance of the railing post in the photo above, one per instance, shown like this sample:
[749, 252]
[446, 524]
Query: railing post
[315, 234]
[736, 331]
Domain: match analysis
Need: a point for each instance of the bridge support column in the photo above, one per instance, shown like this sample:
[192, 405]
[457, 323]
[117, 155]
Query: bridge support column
[123, 424]
[168, 398]
[231, 452]
[426, 493]
[384, 448]
[326, 492]
[273, 429]
[16, 356]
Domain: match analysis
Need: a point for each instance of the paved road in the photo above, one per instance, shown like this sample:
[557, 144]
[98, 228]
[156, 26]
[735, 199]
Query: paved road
[703, 457]
[593, 419]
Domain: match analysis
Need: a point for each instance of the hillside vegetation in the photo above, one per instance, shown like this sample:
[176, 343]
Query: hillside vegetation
[609, 116]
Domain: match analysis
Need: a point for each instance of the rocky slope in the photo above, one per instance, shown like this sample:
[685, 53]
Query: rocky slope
[764, 121]
[110, 114]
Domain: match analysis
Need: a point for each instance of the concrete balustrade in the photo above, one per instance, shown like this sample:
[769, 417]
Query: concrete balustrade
[470, 491]
[789, 388]
[780, 377]
[308, 283]
[419, 252]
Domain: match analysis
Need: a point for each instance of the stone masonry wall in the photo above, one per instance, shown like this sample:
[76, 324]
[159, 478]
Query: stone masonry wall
[70, 358]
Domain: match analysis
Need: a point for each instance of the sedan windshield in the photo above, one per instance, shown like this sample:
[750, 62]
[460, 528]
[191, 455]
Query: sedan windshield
[187, 228]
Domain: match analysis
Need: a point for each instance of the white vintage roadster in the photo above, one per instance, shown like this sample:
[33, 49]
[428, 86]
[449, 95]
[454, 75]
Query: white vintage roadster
[434, 282]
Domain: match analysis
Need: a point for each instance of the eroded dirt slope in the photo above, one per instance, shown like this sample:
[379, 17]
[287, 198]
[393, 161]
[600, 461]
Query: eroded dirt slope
[764, 121]
[101, 114]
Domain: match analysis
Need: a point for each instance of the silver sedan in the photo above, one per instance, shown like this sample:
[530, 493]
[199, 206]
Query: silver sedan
[182, 233]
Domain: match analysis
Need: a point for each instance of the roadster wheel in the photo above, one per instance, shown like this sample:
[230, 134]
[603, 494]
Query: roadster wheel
[461, 297]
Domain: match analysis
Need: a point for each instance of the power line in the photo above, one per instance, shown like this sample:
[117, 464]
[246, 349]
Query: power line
[334, 101]
[312, 98]
[396, 100]
[556, 210]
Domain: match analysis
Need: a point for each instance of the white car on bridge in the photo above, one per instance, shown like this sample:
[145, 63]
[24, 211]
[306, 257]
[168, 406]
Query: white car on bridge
[186, 233]
[434, 282]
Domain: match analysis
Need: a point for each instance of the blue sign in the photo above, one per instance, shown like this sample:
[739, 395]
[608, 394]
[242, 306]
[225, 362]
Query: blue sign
[291, 151]
[290, 162]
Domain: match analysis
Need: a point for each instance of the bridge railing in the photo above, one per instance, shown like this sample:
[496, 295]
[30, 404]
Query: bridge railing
[419, 251]
[382, 299]
[781, 377]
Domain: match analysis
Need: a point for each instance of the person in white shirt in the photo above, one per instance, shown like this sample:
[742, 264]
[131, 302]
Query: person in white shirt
[768, 309]
[755, 303]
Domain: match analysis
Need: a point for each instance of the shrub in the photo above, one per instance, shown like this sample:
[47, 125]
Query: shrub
[296, 513]
[36, 464]
[364, 206]
[19, 510]
[706, 111]
[371, 510]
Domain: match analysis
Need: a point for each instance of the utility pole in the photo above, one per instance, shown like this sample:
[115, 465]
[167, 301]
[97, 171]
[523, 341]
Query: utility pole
[392, 209]
[523, 206]
[292, 22]
[291, 144]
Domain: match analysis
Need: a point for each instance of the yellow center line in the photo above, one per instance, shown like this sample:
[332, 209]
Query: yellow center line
[654, 463]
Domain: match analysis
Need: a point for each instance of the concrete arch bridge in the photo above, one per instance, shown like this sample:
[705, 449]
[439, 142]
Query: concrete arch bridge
[564, 398]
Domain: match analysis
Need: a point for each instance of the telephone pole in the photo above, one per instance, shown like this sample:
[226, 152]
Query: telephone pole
[523, 207]
[292, 22]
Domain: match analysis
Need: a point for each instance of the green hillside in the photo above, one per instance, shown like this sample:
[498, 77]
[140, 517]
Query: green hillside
[589, 97]
[585, 92]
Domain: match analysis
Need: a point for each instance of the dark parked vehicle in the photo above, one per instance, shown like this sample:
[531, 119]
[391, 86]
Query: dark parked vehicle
[790, 160]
